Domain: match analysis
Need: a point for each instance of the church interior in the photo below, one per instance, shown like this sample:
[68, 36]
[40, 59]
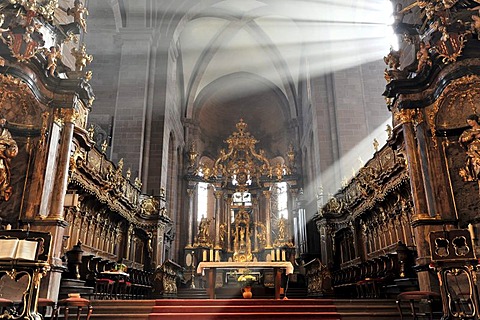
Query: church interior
[224, 159]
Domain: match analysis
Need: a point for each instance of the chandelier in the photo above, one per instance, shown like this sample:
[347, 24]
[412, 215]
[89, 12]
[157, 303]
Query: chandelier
[240, 164]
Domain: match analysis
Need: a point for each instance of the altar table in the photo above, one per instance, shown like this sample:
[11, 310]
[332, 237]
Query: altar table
[276, 266]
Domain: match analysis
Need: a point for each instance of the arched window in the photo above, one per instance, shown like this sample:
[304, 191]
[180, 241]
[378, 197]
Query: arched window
[281, 199]
[202, 200]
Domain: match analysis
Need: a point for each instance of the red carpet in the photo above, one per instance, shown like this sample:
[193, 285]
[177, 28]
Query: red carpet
[196, 309]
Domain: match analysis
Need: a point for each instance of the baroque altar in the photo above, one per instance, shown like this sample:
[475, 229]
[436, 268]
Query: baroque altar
[249, 214]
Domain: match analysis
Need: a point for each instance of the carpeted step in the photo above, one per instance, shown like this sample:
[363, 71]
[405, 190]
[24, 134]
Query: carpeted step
[249, 315]
[244, 309]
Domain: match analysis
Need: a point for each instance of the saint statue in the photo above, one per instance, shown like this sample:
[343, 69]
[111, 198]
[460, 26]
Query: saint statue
[470, 140]
[8, 150]
[203, 229]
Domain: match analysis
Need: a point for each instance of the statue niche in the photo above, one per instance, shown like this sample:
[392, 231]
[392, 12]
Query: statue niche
[242, 242]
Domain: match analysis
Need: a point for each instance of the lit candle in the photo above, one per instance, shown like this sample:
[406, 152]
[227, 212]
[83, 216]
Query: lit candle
[472, 231]
[204, 255]
[273, 255]
[283, 255]
[217, 255]
[211, 254]
[277, 258]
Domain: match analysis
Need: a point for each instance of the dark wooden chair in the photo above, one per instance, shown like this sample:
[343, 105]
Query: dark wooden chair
[414, 298]
[44, 303]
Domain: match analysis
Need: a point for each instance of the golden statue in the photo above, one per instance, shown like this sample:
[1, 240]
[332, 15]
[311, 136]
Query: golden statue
[470, 140]
[423, 57]
[203, 235]
[81, 57]
[375, 145]
[8, 150]
[79, 13]
[52, 56]
[242, 243]
[149, 206]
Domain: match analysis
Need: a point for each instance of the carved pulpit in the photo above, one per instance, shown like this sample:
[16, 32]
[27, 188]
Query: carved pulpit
[165, 279]
[319, 279]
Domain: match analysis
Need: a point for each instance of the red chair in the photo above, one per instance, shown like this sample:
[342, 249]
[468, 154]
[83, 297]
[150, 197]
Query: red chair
[103, 288]
[77, 302]
[5, 304]
[43, 303]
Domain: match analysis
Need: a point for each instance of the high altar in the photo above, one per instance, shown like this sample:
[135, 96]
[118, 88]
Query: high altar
[244, 223]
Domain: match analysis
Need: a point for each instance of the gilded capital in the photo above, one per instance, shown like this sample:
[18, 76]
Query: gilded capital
[69, 115]
[267, 194]
[405, 115]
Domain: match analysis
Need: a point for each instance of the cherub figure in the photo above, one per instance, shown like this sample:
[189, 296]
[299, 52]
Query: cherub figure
[475, 25]
[392, 60]
[470, 140]
[423, 57]
[52, 55]
[81, 57]
[79, 13]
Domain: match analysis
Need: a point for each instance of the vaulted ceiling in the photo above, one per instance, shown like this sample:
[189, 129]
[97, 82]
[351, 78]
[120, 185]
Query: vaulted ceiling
[251, 59]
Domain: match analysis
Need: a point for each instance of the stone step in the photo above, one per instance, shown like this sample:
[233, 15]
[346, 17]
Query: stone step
[245, 309]
[262, 302]
[346, 309]
[249, 315]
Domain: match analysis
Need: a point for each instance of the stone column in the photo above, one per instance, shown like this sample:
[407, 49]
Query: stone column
[61, 176]
[132, 99]
[256, 218]
[191, 193]
[229, 226]
[422, 220]
[268, 195]
[54, 222]
[439, 200]
[218, 213]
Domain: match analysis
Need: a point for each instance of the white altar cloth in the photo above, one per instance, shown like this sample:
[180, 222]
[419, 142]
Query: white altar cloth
[287, 265]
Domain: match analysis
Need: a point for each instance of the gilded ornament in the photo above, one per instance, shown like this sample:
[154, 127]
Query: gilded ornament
[470, 140]
[52, 55]
[375, 145]
[405, 115]
[203, 234]
[192, 155]
[79, 13]
[104, 146]
[138, 183]
[149, 206]
[8, 150]
[88, 77]
[68, 115]
[240, 164]
[456, 93]
[389, 131]
[23, 46]
[423, 57]
[81, 57]
[91, 132]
